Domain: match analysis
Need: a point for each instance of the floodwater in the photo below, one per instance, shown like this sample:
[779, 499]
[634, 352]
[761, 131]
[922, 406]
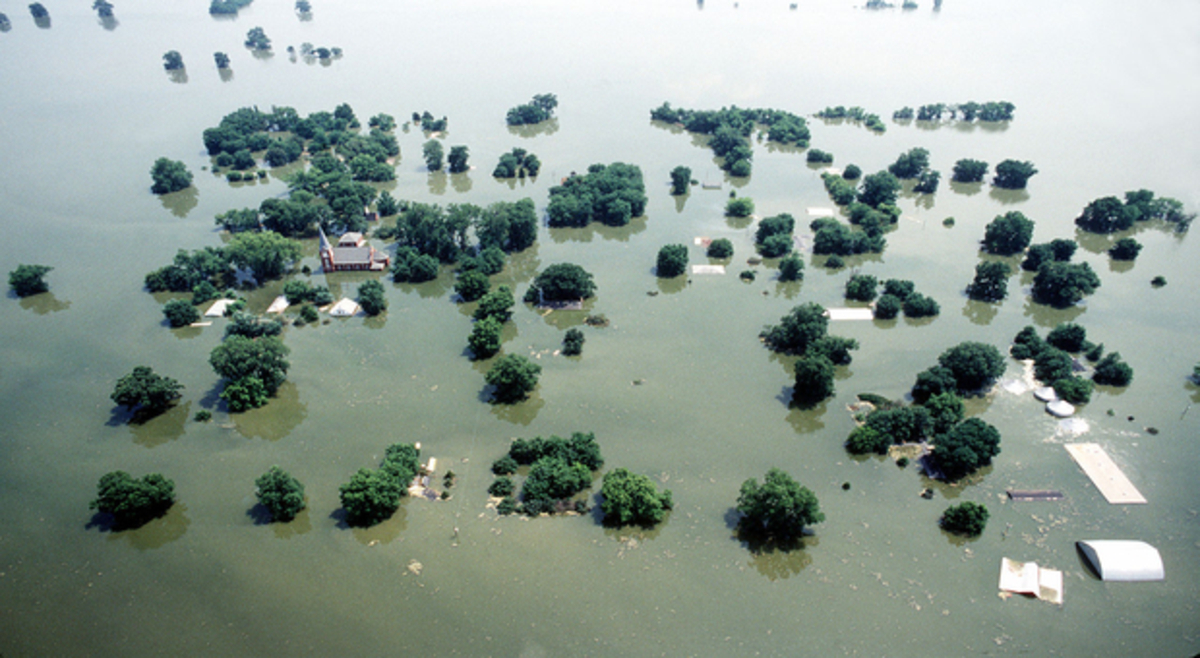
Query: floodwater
[1106, 96]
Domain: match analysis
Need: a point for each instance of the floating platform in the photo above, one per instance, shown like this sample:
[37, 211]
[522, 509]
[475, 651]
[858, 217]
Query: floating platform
[1104, 473]
[708, 269]
[1029, 495]
[850, 314]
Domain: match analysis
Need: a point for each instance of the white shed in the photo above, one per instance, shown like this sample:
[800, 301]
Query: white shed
[1122, 560]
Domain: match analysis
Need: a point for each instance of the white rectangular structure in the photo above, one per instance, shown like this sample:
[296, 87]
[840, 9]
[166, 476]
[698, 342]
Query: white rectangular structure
[1104, 473]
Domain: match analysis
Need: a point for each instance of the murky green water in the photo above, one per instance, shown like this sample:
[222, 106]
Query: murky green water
[1106, 97]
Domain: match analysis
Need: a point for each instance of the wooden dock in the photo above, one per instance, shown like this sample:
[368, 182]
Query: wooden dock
[1030, 495]
[1105, 474]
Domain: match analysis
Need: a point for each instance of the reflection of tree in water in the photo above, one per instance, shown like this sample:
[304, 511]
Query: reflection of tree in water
[596, 229]
[380, 533]
[1008, 197]
[294, 528]
[804, 420]
[178, 76]
[782, 564]
[519, 268]
[680, 200]
[548, 127]
[282, 414]
[673, 128]
[42, 303]
[521, 413]
[159, 532]
[461, 182]
[225, 74]
[109, 23]
[1192, 388]
[788, 289]
[672, 285]
[980, 313]
[182, 202]
[966, 189]
[1044, 315]
[437, 182]
[153, 431]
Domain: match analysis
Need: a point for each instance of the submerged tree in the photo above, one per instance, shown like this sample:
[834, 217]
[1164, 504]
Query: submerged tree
[169, 176]
[1013, 174]
[172, 60]
[629, 498]
[280, 493]
[779, 508]
[513, 377]
[965, 519]
[681, 178]
[133, 502]
[27, 280]
[146, 390]
[990, 283]
[103, 8]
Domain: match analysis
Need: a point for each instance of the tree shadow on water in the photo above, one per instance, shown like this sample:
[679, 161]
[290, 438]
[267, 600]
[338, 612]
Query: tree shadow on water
[521, 413]
[774, 557]
[277, 419]
[182, 202]
[384, 532]
[153, 534]
[152, 428]
[805, 417]
[299, 525]
[42, 303]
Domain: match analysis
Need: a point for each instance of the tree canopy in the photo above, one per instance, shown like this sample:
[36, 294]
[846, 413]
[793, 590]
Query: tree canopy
[27, 280]
[1008, 234]
[965, 448]
[973, 365]
[266, 254]
[814, 379]
[630, 498]
[610, 194]
[371, 496]
[990, 283]
[1064, 284]
[779, 508]
[371, 297]
[280, 493]
[133, 502]
[169, 176]
[969, 171]
[537, 110]
[681, 178]
[513, 378]
[1013, 174]
[147, 390]
[561, 282]
[803, 325]
[965, 519]
[672, 261]
[180, 313]
[253, 368]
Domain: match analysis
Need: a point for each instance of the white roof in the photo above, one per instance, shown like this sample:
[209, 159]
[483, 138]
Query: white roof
[1046, 394]
[1123, 560]
[708, 269]
[850, 314]
[1060, 408]
[218, 308]
[279, 305]
[344, 308]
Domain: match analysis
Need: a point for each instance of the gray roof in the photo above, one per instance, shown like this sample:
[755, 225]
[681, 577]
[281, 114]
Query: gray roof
[348, 255]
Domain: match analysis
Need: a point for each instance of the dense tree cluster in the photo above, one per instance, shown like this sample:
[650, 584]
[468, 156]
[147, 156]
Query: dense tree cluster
[280, 493]
[967, 112]
[519, 163]
[372, 496]
[964, 368]
[857, 114]
[219, 7]
[1008, 234]
[1053, 366]
[841, 190]
[777, 509]
[253, 369]
[169, 176]
[180, 313]
[835, 238]
[172, 60]
[804, 332]
[559, 469]
[1062, 284]
[990, 283]
[1059, 249]
[964, 449]
[1013, 174]
[27, 280]
[146, 391]
[630, 498]
[729, 130]
[131, 501]
[256, 39]
[965, 519]
[573, 341]
[774, 235]
[741, 206]
[672, 261]
[910, 164]
[537, 110]
[561, 282]
[444, 234]
[862, 287]
[428, 123]
[1125, 249]
[1111, 215]
[720, 248]
[681, 178]
[207, 265]
[512, 378]
[969, 171]
[372, 298]
[791, 267]
[611, 195]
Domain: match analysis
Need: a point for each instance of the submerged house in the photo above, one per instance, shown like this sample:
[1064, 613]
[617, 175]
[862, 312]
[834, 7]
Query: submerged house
[352, 252]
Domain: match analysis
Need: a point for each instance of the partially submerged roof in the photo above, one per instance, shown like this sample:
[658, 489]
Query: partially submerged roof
[1122, 560]
[344, 308]
[708, 269]
[1028, 578]
[1060, 408]
[850, 314]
